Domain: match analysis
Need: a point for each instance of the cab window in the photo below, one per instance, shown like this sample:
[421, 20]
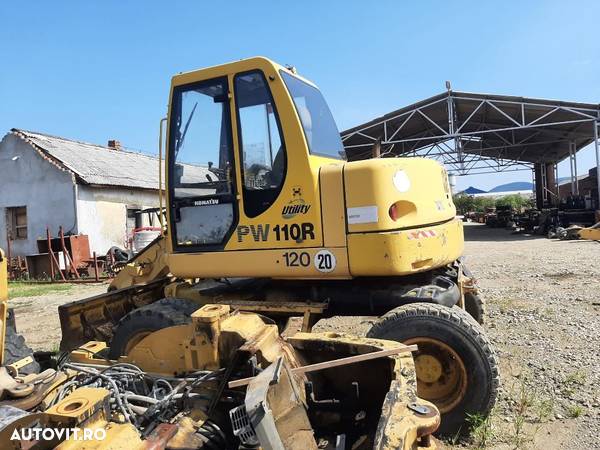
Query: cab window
[320, 130]
[261, 144]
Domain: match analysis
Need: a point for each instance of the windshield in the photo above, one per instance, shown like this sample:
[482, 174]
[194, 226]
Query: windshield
[320, 130]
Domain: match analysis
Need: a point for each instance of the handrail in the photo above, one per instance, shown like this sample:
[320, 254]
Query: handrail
[160, 189]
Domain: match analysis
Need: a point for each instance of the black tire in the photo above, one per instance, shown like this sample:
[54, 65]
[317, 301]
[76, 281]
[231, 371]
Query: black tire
[455, 329]
[475, 306]
[161, 314]
[15, 349]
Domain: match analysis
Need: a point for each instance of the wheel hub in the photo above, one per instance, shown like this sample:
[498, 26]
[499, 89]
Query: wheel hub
[429, 368]
[441, 373]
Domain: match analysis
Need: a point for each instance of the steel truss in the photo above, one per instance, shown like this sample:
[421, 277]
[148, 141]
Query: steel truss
[478, 134]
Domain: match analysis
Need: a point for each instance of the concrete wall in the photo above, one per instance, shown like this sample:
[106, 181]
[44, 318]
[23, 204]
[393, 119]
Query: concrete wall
[102, 213]
[27, 179]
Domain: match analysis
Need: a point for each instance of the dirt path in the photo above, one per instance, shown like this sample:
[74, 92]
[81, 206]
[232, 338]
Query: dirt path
[543, 301]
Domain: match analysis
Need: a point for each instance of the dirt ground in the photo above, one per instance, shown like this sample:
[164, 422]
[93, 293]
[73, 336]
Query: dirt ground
[543, 300]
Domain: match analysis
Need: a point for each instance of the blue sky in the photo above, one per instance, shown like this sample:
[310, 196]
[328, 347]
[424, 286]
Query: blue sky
[94, 70]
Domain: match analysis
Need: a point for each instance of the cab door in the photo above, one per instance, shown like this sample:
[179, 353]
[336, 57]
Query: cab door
[262, 149]
[202, 207]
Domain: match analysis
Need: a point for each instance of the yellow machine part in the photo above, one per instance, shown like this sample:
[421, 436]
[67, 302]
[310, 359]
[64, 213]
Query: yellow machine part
[591, 233]
[204, 344]
[212, 340]
[405, 251]
[417, 188]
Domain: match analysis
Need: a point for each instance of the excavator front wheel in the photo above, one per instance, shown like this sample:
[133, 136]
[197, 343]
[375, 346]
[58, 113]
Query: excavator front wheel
[139, 323]
[456, 366]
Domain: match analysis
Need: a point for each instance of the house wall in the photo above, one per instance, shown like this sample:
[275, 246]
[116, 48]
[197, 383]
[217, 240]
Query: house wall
[102, 213]
[32, 181]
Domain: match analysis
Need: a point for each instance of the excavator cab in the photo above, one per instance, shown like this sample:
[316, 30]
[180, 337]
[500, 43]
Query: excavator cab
[245, 144]
[258, 186]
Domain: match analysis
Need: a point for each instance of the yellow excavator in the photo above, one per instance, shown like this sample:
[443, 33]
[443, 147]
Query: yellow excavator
[264, 215]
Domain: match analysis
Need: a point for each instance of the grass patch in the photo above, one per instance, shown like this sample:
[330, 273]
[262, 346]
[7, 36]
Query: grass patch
[544, 409]
[578, 377]
[573, 381]
[574, 411]
[481, 430]
[24, 289]
[506, 304]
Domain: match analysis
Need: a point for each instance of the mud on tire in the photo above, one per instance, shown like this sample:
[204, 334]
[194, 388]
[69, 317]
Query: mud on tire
[464, 339]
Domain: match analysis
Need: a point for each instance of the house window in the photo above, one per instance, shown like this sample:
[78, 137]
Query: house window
[16, 220]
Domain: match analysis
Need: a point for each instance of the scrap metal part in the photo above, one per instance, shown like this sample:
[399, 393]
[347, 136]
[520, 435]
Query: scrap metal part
[171, 391]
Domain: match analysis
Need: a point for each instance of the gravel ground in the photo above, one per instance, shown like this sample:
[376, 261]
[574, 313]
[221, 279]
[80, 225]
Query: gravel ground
[543, 299]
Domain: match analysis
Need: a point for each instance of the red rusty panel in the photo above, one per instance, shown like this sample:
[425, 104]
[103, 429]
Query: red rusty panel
[77, 245]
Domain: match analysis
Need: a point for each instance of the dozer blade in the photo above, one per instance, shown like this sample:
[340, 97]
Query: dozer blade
[93, 318]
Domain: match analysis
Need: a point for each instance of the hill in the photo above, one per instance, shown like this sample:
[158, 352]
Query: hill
[514, 186]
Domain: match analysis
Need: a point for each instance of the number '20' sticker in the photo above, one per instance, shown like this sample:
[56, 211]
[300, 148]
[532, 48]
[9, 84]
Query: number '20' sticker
[325, 261]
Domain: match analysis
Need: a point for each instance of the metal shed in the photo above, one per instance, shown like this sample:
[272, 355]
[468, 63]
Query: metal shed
[475, 133]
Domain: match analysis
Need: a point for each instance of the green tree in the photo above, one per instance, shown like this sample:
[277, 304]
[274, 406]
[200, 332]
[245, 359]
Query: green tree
[515, 201]
[482, 203]
[464, 203]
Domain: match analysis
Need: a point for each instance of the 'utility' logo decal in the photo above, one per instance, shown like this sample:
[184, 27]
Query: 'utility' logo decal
[296, 206]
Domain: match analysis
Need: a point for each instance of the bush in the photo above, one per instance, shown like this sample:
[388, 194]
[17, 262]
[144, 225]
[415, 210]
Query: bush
[515, 201]
[467, 203]
[464, 203]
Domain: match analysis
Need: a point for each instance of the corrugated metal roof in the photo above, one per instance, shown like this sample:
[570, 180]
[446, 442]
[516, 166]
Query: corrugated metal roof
[96, 164]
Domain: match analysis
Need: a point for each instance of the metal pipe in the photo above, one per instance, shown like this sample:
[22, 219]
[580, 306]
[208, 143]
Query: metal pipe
[53, 257]
[572, 167]
[50, 255]
[575, 167]
[160, 180]
[97, 277]
[475, 133]
[597, 161]
[8, 254]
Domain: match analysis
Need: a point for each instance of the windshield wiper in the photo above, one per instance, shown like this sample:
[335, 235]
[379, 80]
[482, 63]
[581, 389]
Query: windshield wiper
[185, 129]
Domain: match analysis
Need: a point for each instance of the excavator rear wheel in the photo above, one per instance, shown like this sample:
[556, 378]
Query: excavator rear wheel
[456, 366]
[139, 323]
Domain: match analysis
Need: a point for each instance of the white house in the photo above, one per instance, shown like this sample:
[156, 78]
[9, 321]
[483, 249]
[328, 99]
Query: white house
[85, 188]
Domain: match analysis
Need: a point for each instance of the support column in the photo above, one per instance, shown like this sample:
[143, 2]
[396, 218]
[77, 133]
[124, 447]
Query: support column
[539, 187]
[597, 163]
[452, 129]
[551, 186]
[573, 164]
